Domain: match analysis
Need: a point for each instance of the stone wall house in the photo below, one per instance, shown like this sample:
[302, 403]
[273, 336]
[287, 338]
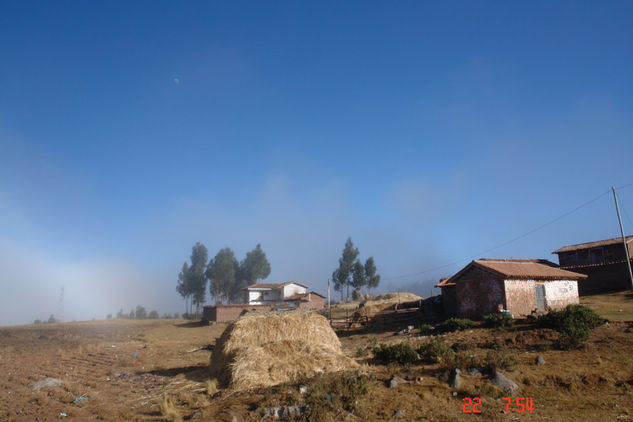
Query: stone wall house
[518, 285]
[603, 262]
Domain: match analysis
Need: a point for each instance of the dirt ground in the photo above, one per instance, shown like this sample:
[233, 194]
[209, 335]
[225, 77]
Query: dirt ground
[124, 369]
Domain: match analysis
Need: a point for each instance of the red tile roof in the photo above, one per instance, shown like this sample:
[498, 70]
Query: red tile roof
[596, 244]
[532, 269]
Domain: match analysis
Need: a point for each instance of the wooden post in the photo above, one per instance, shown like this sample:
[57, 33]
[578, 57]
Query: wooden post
[329, 306]
[626, 249]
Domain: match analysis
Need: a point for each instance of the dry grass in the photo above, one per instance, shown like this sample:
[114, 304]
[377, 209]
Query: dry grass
[168, 410]
[271, 348]
[211, 387]
[613, 306]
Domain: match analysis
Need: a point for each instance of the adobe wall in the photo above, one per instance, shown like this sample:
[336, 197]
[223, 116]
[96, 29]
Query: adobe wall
[560, 293]
[520, 297]
[316, 303]
[449, 301]
[224, 313]
[478, 293]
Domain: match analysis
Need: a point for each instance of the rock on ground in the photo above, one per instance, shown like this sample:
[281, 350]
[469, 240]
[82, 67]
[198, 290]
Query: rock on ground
[396, 381]
[283, 412]
[540, 360]
[46, 382]
[502, 382]
[454, 380]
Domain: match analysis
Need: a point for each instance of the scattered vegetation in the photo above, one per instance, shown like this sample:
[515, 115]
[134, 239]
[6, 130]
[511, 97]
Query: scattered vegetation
[399, 353]
[453, 324]
[436, 351]
[329, 393]
[426, 328]
[574, 323]
[496, 359]
[498, 320]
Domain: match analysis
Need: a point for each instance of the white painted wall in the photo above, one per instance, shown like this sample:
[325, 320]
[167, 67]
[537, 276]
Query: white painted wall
[560, 293]
[263, 296]
[293, 289]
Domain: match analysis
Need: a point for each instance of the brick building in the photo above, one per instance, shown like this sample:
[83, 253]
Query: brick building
[603, 262]
[519, 285]
[267, 297]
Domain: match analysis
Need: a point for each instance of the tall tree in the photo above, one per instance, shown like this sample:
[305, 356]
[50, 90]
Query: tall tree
[184, 286]
[198, 277]
[254, 267]
[358, 279]
[373, 279]
[346, 263]
[141, 313]
[221, 272]
[338, 284]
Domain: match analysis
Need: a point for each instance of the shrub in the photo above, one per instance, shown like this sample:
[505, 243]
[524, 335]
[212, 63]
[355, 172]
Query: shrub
[329, 393]
[435, 351]
[426, 328]
[453, 324]
[153, 315]
[461, 346]
[498, 320]
[496, 359]
[462, 360]
[574, 323]
[400, 353]
[361, 351]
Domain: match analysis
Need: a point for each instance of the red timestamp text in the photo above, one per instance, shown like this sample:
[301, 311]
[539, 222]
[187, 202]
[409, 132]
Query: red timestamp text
[517, 405]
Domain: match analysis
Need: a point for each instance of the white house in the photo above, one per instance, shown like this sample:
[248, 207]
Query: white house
[267, 293]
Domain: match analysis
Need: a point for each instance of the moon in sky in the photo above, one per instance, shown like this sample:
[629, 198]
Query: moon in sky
[176, 81]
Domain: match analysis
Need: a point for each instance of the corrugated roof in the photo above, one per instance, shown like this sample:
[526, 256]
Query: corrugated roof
[272, 285]
[531, 269]
[590, 245]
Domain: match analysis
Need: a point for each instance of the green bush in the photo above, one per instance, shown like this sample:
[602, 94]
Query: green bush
[496, 359]
[436, 351]
[453, 324]
[329, 393]
[400, 353]
[498, 320]
[574, 323]
[426, 328]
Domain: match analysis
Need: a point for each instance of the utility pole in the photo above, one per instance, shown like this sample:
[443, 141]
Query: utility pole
[60, 310]
[626, 249]
[329, 307]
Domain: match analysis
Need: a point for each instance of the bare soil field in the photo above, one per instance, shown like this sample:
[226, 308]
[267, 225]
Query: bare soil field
[125, 370]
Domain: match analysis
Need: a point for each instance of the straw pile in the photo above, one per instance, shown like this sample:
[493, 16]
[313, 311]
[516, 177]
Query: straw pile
[264, 349]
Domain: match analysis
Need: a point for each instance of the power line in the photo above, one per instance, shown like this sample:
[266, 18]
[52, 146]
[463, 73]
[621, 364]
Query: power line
[542, 226]
[624, 186]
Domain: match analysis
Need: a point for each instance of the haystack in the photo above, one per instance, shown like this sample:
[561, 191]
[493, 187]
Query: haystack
[264, 349]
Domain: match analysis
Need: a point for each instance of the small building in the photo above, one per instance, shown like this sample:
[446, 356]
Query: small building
[603, 262]
[307, 301]
[518, 285]
[268, 293]
[264, 297]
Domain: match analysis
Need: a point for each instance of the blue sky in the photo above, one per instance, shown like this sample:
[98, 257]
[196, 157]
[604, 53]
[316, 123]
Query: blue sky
[428, 132]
